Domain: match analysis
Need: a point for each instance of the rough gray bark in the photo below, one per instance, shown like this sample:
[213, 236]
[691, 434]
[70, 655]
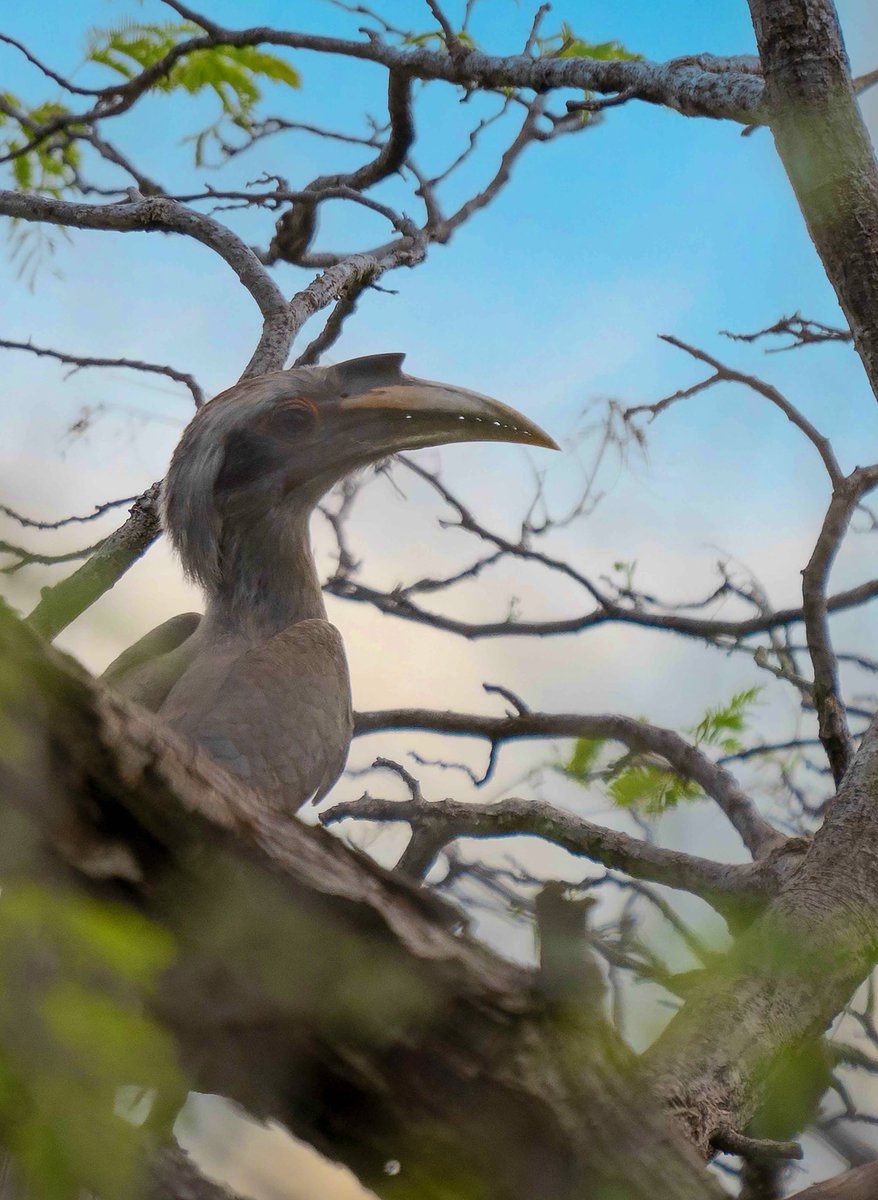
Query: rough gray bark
[311, 986]
[825, 148]
[859, 1184]
[788, 977]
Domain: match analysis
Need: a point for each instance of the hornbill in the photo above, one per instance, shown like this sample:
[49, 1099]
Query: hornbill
[261, 679]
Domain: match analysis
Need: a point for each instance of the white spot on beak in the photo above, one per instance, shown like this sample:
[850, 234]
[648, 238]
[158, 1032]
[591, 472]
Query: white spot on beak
[408, 416]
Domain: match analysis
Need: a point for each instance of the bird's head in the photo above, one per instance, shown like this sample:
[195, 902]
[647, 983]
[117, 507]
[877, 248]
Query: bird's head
[280, 441]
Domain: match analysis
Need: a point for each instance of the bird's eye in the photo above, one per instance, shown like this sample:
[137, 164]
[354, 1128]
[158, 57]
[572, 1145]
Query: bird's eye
[292, 418]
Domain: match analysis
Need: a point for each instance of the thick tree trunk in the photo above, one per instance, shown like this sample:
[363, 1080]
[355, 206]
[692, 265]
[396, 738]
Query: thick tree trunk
[786, 978]
[307, 984]
[825, 148]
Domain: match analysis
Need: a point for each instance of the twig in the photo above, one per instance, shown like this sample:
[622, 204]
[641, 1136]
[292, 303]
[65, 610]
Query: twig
[724, 373]
[453, 43]
[80, 361]
[729, 1141]
[834, 733]
[99, 510]
[803, 332]
[27, 557]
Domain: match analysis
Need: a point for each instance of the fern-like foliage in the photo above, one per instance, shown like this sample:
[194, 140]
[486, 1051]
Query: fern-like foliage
[232, 73]
[50, 167]
[636, 782]
[47, 169]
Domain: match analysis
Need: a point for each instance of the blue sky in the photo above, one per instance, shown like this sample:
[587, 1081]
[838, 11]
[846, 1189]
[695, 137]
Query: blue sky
[651, 223]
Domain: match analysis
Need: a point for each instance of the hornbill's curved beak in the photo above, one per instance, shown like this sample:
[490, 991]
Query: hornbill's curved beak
[440, 411]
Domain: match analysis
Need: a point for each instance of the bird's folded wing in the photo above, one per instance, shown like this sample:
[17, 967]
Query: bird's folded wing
[147, 671]
[277, 715]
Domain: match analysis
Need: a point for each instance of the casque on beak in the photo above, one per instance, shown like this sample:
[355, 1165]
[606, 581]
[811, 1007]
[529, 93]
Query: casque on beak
[454, 413]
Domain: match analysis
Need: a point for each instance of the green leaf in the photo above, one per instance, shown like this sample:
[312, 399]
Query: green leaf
[584, 756]
[22, 171]
[435, 37]
[572, 46]
[718, 724]
[232, 73]
[566, 44]
[650, 790]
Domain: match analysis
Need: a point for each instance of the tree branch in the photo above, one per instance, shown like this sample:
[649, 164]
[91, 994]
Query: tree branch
[78, 361]
[859, 1184]
[703, 85]
[824, 145]
[151, 213]
[834, 733]
[731, 890]
[756, 833]
[727, 374]
[787, 977]
[65, 601]
[397, 604]
[98, 511]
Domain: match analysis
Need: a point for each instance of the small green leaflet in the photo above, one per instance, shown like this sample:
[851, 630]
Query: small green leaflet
[718, 725]
[584, 757]
[435, 37]
[650, 790]
[637, 782]
[565, 44]
[231, 72]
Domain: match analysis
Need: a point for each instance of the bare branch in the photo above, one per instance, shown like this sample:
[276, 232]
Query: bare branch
[296, 228]
[703, 85]
[453, 43]
[834, 733]
[26, 558]
[47, 71]
[397, 605]
[78, 361]
[801, 330]
[595, 106]
[345, 306]
[684, 758]
[148, 213]
[728, 374]
[436, 823]
[110, 153]
[535, 28]
[99, 510]
[859, 1184]
[730, 1141]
